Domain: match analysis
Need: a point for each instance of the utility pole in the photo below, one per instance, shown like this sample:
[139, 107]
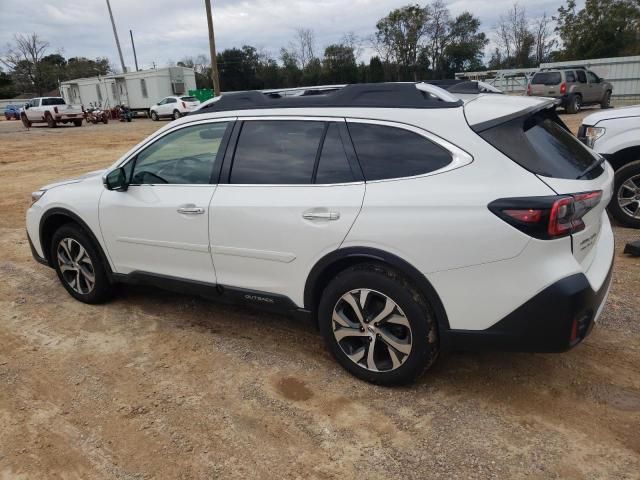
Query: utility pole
[133, 45]
[115, 34]
[212, 48]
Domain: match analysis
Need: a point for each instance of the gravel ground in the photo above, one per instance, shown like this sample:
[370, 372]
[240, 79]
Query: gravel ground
[159, 385]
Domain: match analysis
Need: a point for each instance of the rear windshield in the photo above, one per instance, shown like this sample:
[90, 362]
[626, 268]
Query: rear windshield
[546, 78]
[189, 99]
[542, 144]
[52, 101]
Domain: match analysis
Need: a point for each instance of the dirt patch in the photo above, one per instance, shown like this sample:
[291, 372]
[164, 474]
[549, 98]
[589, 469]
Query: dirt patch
[156, 385]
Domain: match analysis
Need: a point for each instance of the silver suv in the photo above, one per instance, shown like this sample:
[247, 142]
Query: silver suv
[575, 86]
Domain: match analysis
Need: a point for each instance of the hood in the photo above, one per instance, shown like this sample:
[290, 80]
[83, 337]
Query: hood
[487, 110]
[73, 180]
[610, 114]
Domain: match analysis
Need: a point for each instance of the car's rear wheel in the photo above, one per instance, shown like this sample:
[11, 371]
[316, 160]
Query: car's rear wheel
[176, 114]
[625, 203]
[154, 116]
[606, 100]
[25, 121]
[79, 265]
[377, 325]
[574, 105]
[51, 123]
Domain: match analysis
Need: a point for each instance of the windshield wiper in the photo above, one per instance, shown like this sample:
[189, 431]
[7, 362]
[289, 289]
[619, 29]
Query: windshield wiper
[591, 167]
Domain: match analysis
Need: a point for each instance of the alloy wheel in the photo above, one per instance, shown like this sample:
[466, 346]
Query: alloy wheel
[76, 266]
[372, 330]
[629, 196]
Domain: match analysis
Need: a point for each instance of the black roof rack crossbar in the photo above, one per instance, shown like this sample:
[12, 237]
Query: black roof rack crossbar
[370, 95]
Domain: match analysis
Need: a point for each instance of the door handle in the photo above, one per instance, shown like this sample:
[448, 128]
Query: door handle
[314, 215]
[191, 210]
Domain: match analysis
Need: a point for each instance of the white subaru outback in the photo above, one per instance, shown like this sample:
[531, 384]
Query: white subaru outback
[403, 220]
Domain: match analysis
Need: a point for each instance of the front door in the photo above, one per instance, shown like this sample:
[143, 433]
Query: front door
[290, 197]
[160, 223]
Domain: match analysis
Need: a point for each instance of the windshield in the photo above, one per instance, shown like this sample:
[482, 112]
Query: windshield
[546, 78]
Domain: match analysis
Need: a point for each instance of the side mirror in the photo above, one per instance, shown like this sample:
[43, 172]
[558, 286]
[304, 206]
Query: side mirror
[26, 106]
[116, 180]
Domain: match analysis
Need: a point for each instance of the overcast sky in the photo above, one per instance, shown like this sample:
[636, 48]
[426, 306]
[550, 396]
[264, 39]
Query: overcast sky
[166, 30]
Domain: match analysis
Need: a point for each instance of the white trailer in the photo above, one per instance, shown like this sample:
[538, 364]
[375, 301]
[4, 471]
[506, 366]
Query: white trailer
[138, 90]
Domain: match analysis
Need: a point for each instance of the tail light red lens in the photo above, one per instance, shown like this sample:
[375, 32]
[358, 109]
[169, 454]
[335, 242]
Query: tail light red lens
[563, 88]
[184, 105]
[547, 217]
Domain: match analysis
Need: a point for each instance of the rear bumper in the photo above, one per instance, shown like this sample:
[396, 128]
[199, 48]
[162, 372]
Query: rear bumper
[555, 320]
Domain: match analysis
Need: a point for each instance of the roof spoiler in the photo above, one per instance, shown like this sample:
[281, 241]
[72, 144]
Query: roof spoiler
[548, 105]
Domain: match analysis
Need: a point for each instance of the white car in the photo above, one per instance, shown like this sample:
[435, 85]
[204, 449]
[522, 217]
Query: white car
[615, 134]
[173, 107]
[52, 111]
[403, 220]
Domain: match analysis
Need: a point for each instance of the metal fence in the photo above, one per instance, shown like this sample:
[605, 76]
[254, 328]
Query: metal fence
[622, 72]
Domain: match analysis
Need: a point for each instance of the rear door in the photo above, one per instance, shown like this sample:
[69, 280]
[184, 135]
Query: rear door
[546, 84]
[288, 196]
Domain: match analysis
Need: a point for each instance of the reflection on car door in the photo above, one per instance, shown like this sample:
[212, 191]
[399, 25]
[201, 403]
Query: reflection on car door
[160, 224]
[290, 196]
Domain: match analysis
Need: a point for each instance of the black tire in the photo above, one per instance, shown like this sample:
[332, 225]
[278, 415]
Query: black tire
[51, 123]
[606, 100]
[102, 289]
[622, 213]
[105, 119]
[154, 116]
[574, 104]
[26, 122]
[77, 123]
[384, 281]
[176, 114]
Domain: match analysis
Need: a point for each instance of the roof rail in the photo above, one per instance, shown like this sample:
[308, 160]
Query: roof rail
[363, 95]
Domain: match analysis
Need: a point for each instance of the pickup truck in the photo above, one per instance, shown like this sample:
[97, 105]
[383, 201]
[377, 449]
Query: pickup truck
[615, 134]
[51, 110]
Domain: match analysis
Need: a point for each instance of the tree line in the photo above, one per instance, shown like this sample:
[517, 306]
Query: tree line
[414, 42]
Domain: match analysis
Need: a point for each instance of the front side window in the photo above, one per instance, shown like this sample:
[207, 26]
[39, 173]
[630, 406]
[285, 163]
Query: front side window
[390, 152]
[186, 156]
[582, 78]
[35, 102]
[592, 77]
[276, 152]
[171, 100]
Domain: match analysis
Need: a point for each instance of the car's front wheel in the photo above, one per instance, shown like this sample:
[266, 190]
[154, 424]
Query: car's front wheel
[377, 325]
[79, 265]
[154, 115]
[625, 202]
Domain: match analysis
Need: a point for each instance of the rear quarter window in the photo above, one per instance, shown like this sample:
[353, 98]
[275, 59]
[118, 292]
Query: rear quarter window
[542, 144]
[390, 152]
[189, 99]
[546, 78]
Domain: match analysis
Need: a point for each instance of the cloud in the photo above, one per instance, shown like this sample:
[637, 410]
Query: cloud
[169, 29]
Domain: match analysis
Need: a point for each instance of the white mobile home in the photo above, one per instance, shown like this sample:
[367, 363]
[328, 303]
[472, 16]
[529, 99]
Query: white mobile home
[138, 90]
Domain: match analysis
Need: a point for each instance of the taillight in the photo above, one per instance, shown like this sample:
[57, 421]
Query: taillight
[529, 89]
[184, 105]
[547, 217]
[563, 88]
[55, 109]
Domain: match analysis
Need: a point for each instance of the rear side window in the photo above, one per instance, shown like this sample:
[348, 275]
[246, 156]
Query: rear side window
[276, 152]
[571, 77]
[390, 152]
[546, 78]
[542, 144]
[52, 101]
